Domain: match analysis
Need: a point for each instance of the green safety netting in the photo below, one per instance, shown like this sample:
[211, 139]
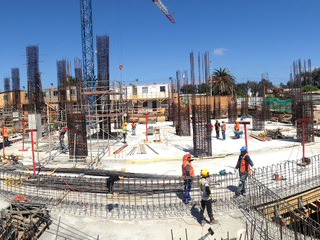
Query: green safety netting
[278, 105]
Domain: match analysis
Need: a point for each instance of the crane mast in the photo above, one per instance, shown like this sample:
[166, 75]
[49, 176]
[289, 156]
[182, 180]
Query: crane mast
[87, 52]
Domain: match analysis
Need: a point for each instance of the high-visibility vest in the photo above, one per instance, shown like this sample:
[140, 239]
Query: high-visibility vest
[202, 189]
[224, 126]
[237, 126]
[124, 128]
[244, 165]
[133, 125]
[5, 132]
[184, 173]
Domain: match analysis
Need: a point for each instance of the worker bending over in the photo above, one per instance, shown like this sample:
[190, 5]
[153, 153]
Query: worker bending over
[206, 198]
[187, 173]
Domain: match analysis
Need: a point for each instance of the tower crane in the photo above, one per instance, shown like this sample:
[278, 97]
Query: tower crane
[87, 51]
[164, 9]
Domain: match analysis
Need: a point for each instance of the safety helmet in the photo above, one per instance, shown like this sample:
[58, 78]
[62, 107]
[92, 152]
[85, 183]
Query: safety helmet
[125, 123]
[205, 172]
[65, 128]
[244, 149]
[187, 156]
[237, 120]
[133, 120]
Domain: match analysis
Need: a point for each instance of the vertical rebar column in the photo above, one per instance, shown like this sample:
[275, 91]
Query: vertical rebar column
[6, 90]
[62, 91]
[103, 102]
[35, 96]
[16, 99]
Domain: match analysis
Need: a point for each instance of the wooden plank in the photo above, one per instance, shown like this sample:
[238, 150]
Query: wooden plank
[142, 149]
[120, 149]
[313, 206]
[60, 198]
[23, 212]
[41, 229]
[257, 137]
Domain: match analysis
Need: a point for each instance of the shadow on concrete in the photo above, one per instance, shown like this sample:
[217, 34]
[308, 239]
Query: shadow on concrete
[188, 148]
[195, 212]
[232, 188]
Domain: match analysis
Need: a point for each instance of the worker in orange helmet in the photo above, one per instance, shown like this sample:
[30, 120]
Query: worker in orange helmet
[124, 132]
[133, 127]
[61, 138]
[236, 129]
[5, 134]
[187, 174]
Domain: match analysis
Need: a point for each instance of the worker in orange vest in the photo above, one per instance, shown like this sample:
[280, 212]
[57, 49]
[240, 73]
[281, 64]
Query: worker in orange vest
[187, 174]
[243, 164]
[5, 134]
[236, 129]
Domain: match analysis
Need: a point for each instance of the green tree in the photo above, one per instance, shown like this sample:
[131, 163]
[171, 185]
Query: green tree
[254, 87]
[186, 88]
[203, 88]
[242, 89]
[263, 85]
[223, 82]
[309, 88]
[316, 77]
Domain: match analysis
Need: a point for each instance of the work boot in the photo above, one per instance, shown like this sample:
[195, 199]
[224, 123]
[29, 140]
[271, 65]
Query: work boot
[244, 194]
[214, 222]
[203, 222]
[236, 195]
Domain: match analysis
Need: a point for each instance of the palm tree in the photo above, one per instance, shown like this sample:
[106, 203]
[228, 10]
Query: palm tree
[223, 82]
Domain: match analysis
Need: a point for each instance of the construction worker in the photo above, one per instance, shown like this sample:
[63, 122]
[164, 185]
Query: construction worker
[237, 129]
[133, 126]
[209, 127]
[61, 139]
[177, 129]
[5, 135]
[187, 174]
[124, 132]
[217, 128]
[243, 164]
[206, 198]
[223, 130]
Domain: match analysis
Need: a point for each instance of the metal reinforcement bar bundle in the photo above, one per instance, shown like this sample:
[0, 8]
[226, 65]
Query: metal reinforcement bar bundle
[23, 220]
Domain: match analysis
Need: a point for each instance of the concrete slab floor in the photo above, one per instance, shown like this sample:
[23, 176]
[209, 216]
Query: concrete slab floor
[172, 147]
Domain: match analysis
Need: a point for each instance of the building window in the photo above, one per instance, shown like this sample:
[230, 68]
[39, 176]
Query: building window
[162, 88]
[55, 93]
[73, 92]
[144, 89]
[145, 104]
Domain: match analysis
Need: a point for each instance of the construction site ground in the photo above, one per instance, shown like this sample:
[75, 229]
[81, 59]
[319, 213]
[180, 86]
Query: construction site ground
[168, 161]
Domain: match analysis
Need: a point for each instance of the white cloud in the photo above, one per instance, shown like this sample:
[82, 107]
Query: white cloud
[219, 51]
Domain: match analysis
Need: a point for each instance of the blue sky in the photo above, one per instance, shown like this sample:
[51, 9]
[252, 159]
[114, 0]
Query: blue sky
[249, 37]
